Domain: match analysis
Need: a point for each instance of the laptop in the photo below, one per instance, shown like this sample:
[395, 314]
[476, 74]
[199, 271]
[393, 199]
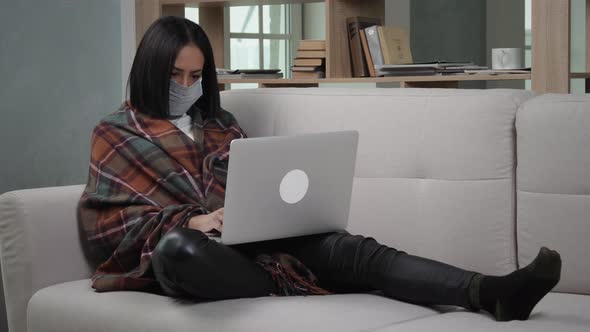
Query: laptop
[286, 186]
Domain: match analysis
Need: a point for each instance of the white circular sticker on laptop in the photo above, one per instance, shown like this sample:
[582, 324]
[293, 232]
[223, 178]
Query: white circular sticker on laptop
[294, 186]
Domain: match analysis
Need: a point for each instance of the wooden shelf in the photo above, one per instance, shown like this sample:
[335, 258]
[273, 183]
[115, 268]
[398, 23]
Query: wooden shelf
[392, 79]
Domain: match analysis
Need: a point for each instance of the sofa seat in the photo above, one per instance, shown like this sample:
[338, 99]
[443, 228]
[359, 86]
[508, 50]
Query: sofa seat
[74, 306]
[555, 312]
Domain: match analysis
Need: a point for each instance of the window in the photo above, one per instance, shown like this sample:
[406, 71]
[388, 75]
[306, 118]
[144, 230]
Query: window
[192, 13]
[259, 38]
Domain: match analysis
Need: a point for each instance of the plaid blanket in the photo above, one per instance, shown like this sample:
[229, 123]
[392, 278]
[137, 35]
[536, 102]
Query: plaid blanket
[147, 177]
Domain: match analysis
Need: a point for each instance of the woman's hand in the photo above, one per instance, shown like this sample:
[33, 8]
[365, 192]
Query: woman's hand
[207, 222]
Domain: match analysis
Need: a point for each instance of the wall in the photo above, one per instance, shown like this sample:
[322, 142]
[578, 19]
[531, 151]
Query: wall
[60, 64]
[450, 30]
[397, 13]
[61, 72]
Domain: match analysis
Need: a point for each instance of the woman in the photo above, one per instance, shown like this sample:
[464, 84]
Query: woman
[156, 187]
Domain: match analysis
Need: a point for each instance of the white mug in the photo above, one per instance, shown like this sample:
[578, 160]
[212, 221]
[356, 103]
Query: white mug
[507, 58]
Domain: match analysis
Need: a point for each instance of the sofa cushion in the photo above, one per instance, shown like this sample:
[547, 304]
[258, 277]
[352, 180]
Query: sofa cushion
[74, 306]
[435, 167]
[554, 184]
[555, 312]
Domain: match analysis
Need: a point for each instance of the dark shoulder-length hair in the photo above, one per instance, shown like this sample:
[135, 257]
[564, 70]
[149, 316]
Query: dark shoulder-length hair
[149, 79]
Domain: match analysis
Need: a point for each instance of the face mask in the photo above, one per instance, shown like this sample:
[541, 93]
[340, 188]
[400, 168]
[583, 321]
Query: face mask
[181, 98]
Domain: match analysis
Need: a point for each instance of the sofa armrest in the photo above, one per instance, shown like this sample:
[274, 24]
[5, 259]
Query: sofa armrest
[39, 245]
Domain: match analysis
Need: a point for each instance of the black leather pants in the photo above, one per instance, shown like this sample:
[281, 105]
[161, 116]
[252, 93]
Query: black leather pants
[187, 264]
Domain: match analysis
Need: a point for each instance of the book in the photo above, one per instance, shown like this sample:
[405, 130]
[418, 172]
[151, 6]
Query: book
[225, 71]
[246, 76]
[437, 64]
[277, 75]
[406, 66]
[460, 69]
[411, 72]
[408, 69]
[499, 71]
[374, 45]
[311, 54]
[258, 71]
[309, 74]
[306, 68]
[419, 68]
[395, 45]
[308, 62]
[228, 76]
[367, 54]
[354, 25]
[312, 45]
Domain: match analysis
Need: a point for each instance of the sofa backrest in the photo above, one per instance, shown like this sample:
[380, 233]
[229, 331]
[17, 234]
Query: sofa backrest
[39, 245]
[554, 184]
[435, 168]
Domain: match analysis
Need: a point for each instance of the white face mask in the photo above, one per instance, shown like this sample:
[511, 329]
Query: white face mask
[181, 98]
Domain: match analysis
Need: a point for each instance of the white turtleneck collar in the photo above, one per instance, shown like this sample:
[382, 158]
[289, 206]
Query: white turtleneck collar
[183, 123]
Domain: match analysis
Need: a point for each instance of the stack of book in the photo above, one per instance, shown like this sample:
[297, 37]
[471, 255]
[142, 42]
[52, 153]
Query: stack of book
[311, 60]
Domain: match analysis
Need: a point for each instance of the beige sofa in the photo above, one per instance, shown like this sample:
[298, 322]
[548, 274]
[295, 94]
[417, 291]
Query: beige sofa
[475, 178]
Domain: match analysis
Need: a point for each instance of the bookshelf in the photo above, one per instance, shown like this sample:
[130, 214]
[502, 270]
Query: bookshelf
[550, 47]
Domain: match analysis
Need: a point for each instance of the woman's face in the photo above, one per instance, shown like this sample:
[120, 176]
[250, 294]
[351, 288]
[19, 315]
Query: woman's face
[188, 67]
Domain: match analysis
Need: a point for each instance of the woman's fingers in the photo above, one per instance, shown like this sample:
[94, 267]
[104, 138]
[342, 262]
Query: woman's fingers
[216, 222]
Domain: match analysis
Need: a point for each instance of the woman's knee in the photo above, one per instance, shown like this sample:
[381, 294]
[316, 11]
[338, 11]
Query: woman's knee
[179, 246]
[187, 261]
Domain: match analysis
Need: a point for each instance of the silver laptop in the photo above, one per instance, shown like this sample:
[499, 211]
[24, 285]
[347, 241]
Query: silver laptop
[285, 186]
